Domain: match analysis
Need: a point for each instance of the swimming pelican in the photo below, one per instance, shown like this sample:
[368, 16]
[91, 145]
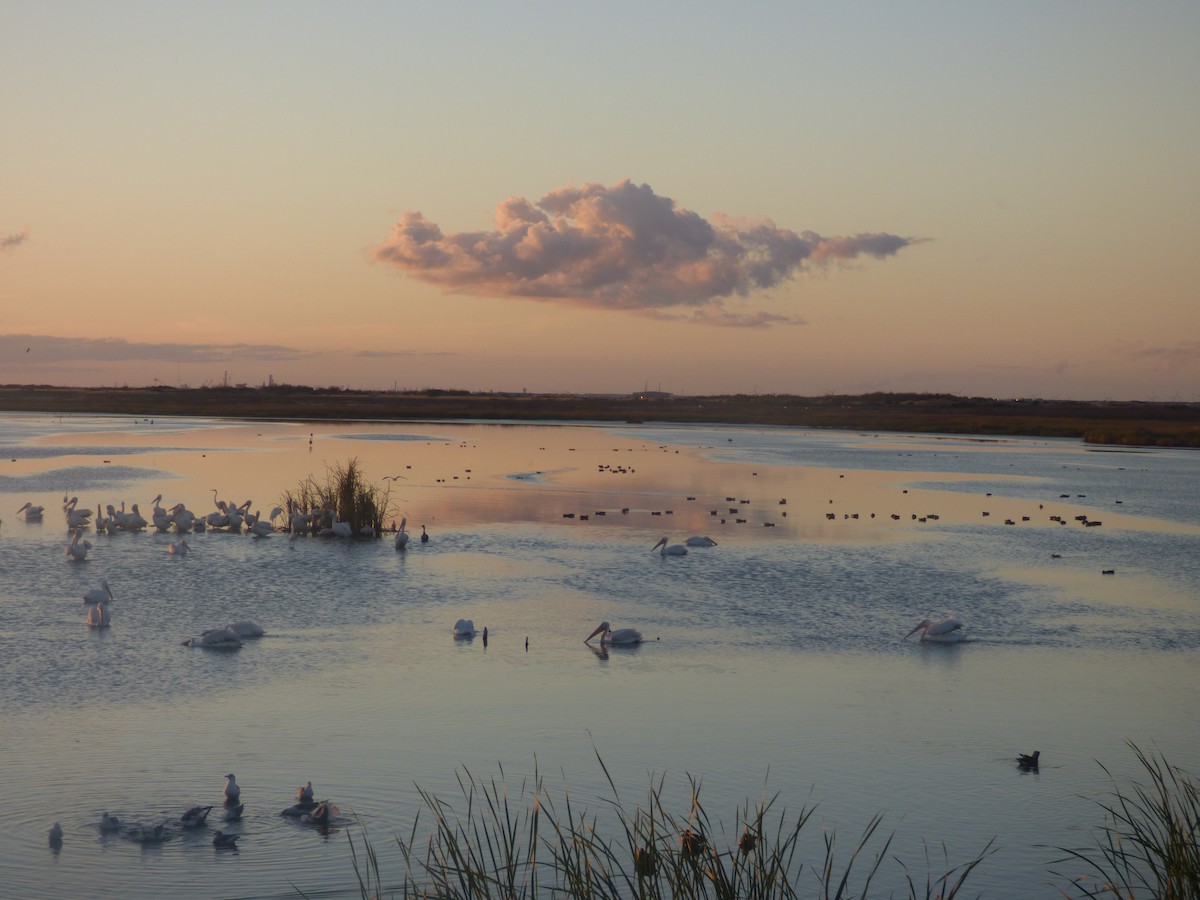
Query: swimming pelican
[56, 835]
[402, 535]
[32, 514]
[620, 636]
[79, 547]
[179, 549]
[109, 823]
[304, 794]
[97, 616]
[1028, 761]
[464, 628]
[232, 791]
[424, 535]
[696, 541]
[669, 549]
[221, 839]
[947, 630]
[195, 816]
[135, 521]
[246, 628]
[96, 595]
[216, 639]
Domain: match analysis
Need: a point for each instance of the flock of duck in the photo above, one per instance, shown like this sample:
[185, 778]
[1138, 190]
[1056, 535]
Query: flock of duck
[306, 809]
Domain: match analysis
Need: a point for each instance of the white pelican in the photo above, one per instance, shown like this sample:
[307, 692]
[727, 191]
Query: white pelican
[179, 549]
[135, 521]
[102, 524]
[304, 794]
[232, 791]
[221, 839]
[183, 518]
[620, 636]
[76, 518]
[669, 549]
[97, 616]
[32, 514]
[402, 535]
[194, 816]
[247, 628]
[109, 823]
[341, 529]
[102, 593]
[697, 541]
[947, 630]
[216, 639]
[464, 628]
[78, 548]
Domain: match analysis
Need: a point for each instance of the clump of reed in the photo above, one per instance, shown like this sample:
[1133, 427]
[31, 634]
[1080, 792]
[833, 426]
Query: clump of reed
[1148, 844]
[516, 847]
[344, 496]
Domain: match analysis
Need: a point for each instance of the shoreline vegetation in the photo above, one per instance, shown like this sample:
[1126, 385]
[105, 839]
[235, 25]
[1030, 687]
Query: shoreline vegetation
[1117, 423]
[520, 841]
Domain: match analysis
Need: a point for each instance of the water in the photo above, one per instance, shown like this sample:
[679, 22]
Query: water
[774, 661]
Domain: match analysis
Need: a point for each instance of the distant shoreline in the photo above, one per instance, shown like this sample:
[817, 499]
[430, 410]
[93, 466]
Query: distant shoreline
[1137, 424]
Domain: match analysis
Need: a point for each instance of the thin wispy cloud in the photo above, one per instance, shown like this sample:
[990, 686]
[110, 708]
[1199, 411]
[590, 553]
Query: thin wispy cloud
[12, 241]
[1170, 358]
[45, 348]
[622, 247]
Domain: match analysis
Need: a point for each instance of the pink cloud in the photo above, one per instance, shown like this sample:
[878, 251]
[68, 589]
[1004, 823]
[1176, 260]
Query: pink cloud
[620, 247]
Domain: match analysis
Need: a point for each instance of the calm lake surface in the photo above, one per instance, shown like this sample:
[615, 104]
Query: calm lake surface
[775, 662]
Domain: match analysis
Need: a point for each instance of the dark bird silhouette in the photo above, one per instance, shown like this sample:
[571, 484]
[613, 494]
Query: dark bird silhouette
[1026, 761]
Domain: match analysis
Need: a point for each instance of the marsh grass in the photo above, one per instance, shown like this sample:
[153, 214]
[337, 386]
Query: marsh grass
[345, 496]
[1148, 845]
[537, 843]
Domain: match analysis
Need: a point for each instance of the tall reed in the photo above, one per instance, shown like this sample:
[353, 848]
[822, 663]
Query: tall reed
[541, 843]
[1148, 844]
[344, 496]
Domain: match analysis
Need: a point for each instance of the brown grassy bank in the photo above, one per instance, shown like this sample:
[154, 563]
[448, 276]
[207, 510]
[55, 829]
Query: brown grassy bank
[1098, 422]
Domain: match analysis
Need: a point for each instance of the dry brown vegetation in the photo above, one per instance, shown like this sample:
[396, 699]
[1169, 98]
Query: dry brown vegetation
[1097, 422]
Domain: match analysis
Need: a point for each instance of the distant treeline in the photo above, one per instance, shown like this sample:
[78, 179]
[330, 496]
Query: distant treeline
[1141, 424]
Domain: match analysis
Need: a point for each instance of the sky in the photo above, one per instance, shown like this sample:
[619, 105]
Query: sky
[989, 199]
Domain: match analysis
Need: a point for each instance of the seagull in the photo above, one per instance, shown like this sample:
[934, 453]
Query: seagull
[232, 791]
[56, 835]
[195, 816]
[1028, 761]
[233, 813]
[221, 839]
[304, 794]
[147, 835]
[109, 823]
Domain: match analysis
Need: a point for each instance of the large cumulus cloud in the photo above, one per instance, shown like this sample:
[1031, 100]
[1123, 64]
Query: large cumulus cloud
[621, 247]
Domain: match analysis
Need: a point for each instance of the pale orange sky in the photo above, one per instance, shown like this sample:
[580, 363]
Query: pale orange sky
[974, 198]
